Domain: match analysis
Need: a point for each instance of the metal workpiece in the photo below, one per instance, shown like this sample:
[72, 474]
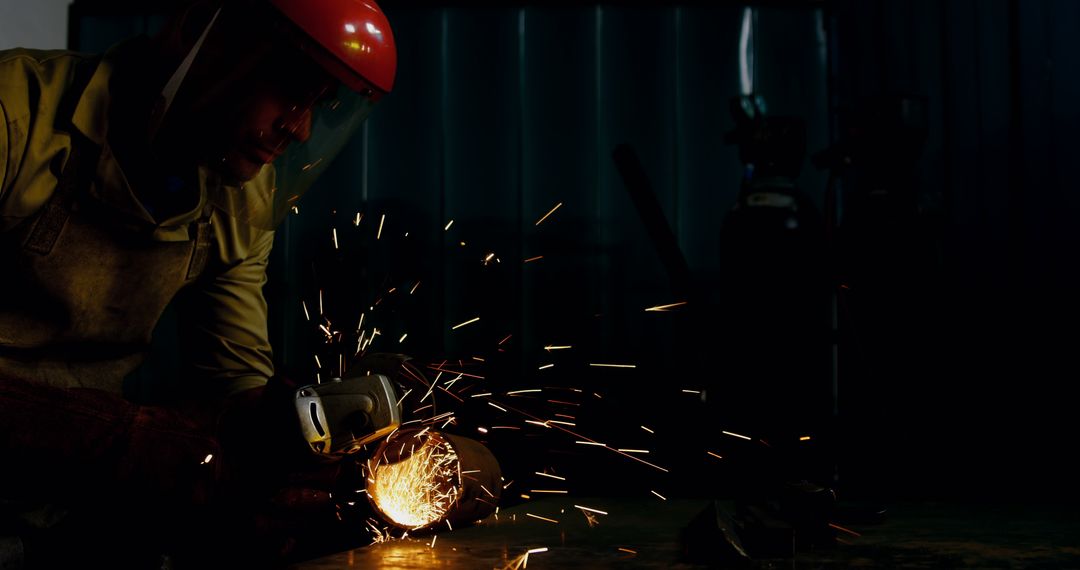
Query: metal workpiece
[420, 479]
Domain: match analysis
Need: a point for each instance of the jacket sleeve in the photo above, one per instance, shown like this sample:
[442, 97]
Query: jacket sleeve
[222, 322]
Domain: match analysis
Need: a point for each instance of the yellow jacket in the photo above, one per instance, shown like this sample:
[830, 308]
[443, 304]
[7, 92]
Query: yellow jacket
[88, 271]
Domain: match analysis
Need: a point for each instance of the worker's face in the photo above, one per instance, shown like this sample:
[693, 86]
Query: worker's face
[247, 96]
[258, 120]
[270, 119]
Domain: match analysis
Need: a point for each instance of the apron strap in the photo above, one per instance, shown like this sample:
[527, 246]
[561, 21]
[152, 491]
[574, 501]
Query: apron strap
[203, 237]
[77, 173]
[54, 215]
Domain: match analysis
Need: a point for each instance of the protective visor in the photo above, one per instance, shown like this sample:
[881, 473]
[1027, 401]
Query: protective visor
[265, 201]
[263, 111]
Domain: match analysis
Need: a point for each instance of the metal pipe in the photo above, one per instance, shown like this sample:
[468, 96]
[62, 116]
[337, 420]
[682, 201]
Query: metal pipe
[420, 478]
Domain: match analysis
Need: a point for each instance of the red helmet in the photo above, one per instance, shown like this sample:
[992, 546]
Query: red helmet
[331, 59]
[357, 45]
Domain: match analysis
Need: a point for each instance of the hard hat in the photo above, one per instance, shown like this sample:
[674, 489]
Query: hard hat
[355, 37]
[332, 60]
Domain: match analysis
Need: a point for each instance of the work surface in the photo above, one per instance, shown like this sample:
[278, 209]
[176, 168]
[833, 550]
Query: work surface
[644, 533]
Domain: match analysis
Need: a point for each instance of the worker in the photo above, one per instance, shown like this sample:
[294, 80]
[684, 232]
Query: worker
[155, 173]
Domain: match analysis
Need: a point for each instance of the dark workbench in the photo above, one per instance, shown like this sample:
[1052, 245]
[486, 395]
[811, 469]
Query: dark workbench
[912, 535]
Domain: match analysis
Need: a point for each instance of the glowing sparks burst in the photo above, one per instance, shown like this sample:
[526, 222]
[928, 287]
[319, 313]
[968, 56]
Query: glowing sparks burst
[419, 487]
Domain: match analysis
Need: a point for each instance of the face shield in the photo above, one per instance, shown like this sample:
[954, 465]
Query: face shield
[266, 107]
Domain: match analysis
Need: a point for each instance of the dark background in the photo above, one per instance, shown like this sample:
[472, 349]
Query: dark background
[957, 319]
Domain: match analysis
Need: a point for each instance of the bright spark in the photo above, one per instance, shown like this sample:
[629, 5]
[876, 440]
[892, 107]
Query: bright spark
[736, 435]
[448, 224]
[549, 475]
[552, 211]
[413, 290]
[470, 321]
[402, 339]
[209, 457]
[714, 455]
[382, 219]
[359, 217]
[590, 510]
[613, 365]
[633, 450]
[537, 550]
[627, 550]
[480, 395]
[665, 308]
[647, 429]
[546, 366]
[494, 405]
[523, 391]
[591, 443]
[804, 438]
[847, 530]
[552, 347]
[658, 495]
[533, 259]
[691, 391]
[541, 518]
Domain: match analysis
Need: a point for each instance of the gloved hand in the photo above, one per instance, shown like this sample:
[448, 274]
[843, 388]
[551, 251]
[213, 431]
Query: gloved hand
[274, 491]
[81, 446]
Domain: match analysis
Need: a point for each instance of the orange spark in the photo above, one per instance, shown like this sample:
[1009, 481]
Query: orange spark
[468, 322]
[552, 211]
[665, 308]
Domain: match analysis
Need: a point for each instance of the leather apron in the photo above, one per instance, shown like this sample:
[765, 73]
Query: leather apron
[87, 285]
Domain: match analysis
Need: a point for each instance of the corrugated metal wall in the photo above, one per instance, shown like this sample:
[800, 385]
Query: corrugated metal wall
[969, 375]
[500, 114]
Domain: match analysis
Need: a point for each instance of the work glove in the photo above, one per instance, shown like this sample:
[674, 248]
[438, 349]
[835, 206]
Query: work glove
[79, 445]
[275, 494]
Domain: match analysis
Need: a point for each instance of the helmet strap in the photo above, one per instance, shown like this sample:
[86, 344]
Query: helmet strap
[168, 93]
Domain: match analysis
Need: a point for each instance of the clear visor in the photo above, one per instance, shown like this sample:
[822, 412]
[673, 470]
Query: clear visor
[257, 110]
[265, 201]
